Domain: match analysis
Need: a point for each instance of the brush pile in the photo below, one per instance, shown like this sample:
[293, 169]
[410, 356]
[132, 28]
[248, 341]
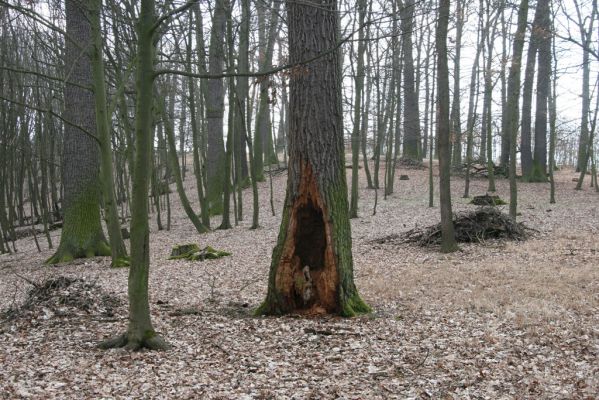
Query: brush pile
[63, 296]
[478, 226]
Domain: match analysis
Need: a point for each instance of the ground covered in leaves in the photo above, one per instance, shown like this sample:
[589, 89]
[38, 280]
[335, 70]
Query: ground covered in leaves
[501, 319]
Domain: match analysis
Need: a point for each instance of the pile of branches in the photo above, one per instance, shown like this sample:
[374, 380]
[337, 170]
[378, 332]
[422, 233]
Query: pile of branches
[408, 163]
[477, 226]
[193, 252]
[63, 296]
[480, 170]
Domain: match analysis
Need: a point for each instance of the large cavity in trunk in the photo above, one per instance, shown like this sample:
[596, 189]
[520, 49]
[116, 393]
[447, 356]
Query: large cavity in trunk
[310, 238]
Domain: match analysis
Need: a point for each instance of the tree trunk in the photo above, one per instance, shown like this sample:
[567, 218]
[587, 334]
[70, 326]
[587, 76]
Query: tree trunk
[117, 246]
[215, 111]
[456, 128]
[539, 163]
[448, 243]
[513, 92]
[358, 90]
[411, 120]
[312, 266]
[140, 332]
[82, 234]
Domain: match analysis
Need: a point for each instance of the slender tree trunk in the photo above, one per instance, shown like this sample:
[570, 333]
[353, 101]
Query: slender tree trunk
[140, 332]
[117, 246]
[448, 243]
[358, 90]
[456, 128]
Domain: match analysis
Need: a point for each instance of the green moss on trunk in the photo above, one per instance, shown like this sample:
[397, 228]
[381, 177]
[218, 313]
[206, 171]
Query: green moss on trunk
[82, 234]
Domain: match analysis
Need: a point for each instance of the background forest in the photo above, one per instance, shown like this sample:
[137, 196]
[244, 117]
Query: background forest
[429, 166]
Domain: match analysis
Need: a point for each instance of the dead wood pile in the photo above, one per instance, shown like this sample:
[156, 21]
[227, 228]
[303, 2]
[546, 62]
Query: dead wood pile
[478, 226]
[63, 296]
[472, 227]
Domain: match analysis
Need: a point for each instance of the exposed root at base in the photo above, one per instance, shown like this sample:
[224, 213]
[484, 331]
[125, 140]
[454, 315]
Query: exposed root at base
[64, 255]
[150, 342]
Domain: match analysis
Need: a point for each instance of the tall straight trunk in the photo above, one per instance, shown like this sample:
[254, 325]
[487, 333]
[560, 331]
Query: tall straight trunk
[231, 131]
[82, 234]
[505, 139]
[140, 331]
[552, 122]
[473, 104]
[513, 90]
[242, 90]
[263, 148]
[539, 167]
[195, 135]
[312, 266]
[182, 133]
[586, 35]
[448, 243]
[529, 74]
[395, 129]
[215, 110]
[411, 120]
[456, 128]
[365, 123]
[486, 123]
[117, 246]
[358, 90]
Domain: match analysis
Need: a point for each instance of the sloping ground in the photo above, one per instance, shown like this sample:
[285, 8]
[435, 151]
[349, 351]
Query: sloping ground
[500, 320]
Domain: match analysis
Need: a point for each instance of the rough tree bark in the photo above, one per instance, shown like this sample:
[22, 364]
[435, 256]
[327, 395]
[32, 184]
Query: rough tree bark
[411, 120]
[82, 234]
[539, 161]
[215, 111]
[312, 266]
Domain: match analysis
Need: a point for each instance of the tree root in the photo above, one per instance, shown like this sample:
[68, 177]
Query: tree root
[149, 341]
[66, 254]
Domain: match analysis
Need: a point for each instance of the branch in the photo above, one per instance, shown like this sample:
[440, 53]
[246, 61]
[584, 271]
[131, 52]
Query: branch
[263, 73]
[49, 111]
[42, 75]
[172, 13]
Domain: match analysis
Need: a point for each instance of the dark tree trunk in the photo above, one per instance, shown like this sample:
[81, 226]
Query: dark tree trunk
[448, 243]
[411, 118]
[539, 167]
[529, 74]
[513, 93]
[312, 266]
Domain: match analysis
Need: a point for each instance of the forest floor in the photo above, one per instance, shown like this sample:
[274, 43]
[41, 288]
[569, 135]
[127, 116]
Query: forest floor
[498, 320]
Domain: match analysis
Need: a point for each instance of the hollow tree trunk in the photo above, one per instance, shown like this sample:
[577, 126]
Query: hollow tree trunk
[312, 266]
